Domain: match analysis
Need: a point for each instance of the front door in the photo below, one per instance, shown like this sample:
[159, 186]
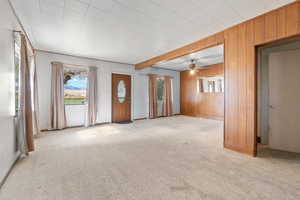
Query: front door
[121, 98]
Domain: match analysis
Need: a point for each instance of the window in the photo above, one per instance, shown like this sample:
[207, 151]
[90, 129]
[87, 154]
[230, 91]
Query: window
[214, 84]
[75, 85]
[211, 86]
[121, 91]
[17, 62]
[160, 89]
[220, 85]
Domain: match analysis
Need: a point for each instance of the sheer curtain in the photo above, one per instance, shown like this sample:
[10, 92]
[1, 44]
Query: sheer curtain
[92, 94]
[35, 99]
[168, 101]
[57, 107]
[34, 89]
[152, 96]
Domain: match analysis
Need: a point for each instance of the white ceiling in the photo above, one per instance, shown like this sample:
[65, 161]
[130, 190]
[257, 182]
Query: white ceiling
[130, 31]
[209, 56]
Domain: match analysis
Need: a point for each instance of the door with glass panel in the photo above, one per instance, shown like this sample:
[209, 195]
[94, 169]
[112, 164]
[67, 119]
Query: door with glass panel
[160, 84]
[121, 98]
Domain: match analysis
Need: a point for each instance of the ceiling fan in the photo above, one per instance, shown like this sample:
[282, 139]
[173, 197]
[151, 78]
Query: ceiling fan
[193, 66]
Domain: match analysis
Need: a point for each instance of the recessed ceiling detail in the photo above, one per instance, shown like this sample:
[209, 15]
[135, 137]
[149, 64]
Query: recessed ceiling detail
[205, 57]
[130, 31]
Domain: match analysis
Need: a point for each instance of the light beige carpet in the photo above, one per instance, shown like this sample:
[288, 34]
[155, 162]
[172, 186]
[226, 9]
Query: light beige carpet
[177, 158]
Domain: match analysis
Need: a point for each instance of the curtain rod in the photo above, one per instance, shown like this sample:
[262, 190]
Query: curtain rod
[70, 65]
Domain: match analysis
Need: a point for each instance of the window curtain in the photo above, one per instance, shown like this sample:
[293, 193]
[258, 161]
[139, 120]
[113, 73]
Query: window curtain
[34, 89]
[35, 99]
[167, 107]
[92, 95]
[152, 97]
[26, 115]
[57, 107]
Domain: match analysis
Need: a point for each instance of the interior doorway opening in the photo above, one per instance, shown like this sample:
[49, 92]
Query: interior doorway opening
[278, 97]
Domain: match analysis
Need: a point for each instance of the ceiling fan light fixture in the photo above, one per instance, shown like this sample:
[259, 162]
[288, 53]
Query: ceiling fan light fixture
[192, 66]
[192, 71]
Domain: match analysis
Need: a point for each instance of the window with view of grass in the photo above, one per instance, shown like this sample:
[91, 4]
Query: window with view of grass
[75, 86]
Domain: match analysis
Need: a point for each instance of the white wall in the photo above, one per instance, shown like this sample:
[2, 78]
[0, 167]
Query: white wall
[8, 152]
[140, 96]
[75, 114]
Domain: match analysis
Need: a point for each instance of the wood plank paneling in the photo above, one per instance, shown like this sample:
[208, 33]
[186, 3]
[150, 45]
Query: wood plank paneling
[187, 97]
[240, 95]
[207, 105]
[259, 29]
[210, 105]
[250, 134]
[231, 86]
[271, 25]
[281, 16]
[292, 19]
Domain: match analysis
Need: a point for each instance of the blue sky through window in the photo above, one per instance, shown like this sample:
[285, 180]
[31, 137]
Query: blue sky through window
[77, 82]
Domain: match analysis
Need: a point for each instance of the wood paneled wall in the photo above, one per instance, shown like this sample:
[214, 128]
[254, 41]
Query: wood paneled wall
[207, 105]
[240, 69]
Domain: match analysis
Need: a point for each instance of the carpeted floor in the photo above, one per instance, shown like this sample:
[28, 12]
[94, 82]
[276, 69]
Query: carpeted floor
[177, 158]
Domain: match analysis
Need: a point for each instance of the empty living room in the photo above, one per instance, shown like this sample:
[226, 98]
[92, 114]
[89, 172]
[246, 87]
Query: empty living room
[149, 99]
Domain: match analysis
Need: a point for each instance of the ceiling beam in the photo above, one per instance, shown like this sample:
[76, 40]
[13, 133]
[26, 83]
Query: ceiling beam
[210, 41]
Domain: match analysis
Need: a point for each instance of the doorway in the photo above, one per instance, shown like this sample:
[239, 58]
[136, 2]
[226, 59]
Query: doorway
[121, 98]
[279, 97]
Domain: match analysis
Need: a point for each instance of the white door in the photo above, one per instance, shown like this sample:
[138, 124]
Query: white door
[284, 108]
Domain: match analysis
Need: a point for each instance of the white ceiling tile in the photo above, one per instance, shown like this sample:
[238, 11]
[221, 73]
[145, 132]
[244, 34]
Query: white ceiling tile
[227, 15]
[283, 2]
[130, 31]
[97, 14]
[57, 3]
[183, 9]
[51, 10]
[72, 16]
[248, 8]
[22, 8]
[272, 4]
[104, 4]
[149, 8]
[76, 6]
[86, 1]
